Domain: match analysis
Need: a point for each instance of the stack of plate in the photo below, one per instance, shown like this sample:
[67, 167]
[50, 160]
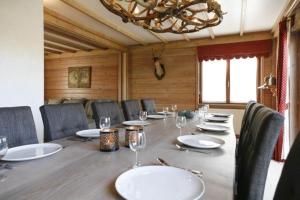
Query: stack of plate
[156, 116]
[136, 123]
[213, 127]
[216, 119]
[201, 141]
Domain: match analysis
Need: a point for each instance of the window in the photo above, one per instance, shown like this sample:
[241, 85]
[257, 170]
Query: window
[229, 81]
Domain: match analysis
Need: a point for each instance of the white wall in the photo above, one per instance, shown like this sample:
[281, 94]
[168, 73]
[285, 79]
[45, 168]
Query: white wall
[237, 117]
[22, 56]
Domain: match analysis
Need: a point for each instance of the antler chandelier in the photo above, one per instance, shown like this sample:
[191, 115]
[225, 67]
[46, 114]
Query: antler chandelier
[162, 16]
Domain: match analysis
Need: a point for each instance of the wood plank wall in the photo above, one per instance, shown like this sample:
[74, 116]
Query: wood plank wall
[104, 76]
[178, 85]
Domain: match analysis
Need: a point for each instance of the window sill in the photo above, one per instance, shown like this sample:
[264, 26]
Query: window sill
[226, 105]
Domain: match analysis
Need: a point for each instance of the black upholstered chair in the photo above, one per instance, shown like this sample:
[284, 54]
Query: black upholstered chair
[289, 183]
[63, 120]
[131, 109]
[17, 125]
[107, 109]
[149, 106]
[248, 108]
[257, 153]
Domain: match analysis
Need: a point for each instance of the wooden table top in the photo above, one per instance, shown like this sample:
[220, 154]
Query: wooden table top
[81, 171]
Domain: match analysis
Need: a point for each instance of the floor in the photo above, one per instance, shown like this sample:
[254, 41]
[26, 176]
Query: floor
[272, 179]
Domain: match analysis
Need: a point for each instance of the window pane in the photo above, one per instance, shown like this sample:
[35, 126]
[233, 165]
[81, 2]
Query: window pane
[243, 73]
[214, 81]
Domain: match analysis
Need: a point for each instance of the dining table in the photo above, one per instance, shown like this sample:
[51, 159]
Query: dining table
[81, 171]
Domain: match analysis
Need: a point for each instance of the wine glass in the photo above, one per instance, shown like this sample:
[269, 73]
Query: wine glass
[174, 108]
[165, 111]
[143, 116]
[137, 142]
[104, 122]
[3, 146]
[180, 123]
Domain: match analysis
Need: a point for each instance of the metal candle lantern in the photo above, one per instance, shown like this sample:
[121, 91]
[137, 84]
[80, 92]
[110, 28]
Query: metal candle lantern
[130, 129]
[109, 140]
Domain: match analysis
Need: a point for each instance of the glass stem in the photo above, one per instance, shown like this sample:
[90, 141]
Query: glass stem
[136, 159]
[180, 131]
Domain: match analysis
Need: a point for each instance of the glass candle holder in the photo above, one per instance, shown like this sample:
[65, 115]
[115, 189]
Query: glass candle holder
[109, 140]
[129, 129]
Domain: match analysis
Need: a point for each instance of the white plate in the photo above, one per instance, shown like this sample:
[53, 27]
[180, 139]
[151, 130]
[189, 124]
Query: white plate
[201, 141]
[212, 127]
[90, 133]
[162, 113]
[155, 116]
[220, 114]
[31, 151]
[159, 183]
[217, 119]
[136, 123]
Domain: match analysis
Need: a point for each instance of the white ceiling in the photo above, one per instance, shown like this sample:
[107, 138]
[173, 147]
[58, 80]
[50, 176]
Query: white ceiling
[260, 15]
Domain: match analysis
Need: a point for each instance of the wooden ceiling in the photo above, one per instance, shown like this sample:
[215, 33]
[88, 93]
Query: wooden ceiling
[73, 25]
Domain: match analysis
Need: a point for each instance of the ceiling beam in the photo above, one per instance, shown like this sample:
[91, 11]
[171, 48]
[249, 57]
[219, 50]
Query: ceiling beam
[264, 35]
[157, 35]
[243, 17]
[49, 50]
[61, 45]
[67, 40]
[288, 8]
[69, 26]
[84, 10]
[58, 47]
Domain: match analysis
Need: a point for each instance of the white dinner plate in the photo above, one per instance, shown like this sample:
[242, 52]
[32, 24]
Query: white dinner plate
[136, 123]
[155, 116]
[201, 141]
[212, 127]
[162, 113]
[159, 183]
[220, 114]
[90, 133]
[31, 151]
[217, 119]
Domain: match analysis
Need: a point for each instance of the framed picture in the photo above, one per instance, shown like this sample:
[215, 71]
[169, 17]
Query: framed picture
[79, 77]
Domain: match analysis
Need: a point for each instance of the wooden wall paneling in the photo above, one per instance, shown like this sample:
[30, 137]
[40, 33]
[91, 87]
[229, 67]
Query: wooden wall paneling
[177, 87]
[104, 76]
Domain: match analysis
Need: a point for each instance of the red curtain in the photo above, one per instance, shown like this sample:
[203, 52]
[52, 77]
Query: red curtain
[235, 50]
[281, 82]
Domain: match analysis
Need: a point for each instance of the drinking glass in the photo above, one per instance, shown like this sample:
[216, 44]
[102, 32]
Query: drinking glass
[104, 122]
[143, 116]
[205, 107]
[165, 111]
[174, 108]
[3, 146]
[137, 142]
[180, 123]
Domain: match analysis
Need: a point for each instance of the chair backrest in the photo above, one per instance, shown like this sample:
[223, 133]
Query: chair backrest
[259, 146]
[107, 109]
[63, 120]
[17, 125]
[289, 183]
[149, 106]
[248, 108]
[131, 109]
[251, 112]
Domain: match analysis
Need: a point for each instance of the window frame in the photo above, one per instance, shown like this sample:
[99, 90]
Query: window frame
[229, 104]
